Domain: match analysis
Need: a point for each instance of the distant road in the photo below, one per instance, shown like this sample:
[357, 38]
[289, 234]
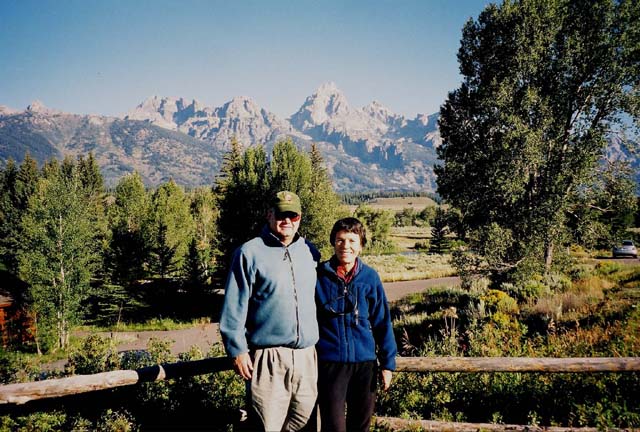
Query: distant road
[206, 334]
[397, 290]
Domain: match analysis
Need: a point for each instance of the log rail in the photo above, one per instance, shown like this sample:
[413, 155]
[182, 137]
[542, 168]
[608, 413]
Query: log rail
[21, 393]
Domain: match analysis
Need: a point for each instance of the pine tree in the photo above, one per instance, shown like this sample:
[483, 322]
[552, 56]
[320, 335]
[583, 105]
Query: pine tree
[241, 195]
[249, 182]
[18, 185]
[439, 230]
[322, 207]
[130, 243]
[172, 229]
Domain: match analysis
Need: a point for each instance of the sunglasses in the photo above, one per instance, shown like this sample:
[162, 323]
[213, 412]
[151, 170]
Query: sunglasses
[293, 217]
[342, 305]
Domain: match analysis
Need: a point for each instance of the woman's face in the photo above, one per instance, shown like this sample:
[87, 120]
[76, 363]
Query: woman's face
[347, 247]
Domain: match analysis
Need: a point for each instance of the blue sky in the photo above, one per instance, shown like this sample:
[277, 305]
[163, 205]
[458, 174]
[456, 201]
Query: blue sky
[107, 56]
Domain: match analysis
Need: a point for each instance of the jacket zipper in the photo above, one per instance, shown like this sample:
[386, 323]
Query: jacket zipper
[345, 291]
[287, 255]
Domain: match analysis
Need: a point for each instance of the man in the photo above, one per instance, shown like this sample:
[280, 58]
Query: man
[268, 321]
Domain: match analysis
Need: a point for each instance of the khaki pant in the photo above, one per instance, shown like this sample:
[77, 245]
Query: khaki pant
[284, 387]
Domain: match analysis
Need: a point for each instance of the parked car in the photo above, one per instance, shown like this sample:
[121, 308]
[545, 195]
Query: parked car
[627, 248]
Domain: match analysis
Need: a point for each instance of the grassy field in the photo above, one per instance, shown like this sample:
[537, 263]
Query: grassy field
[398, 267]
[398, 203]
[405, 238]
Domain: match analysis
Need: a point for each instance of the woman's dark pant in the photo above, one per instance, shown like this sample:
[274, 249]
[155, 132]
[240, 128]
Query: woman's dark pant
[350, 384]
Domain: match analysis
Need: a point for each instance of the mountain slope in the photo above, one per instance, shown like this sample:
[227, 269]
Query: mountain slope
[119, 146]
[164, 137]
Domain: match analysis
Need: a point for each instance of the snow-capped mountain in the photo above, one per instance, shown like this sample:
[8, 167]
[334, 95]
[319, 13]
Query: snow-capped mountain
[241, 118]
[367, 147]
[364, 148]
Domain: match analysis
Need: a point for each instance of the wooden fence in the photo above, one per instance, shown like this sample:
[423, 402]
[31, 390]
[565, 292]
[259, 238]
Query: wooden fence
[24, 392]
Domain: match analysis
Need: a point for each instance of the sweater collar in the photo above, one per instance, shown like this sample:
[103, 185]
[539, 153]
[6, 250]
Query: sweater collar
[271, 239]
[332, 267]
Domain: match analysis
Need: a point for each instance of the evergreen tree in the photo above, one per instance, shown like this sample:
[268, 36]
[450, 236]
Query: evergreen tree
[439, 229]
[242, 197]
[18, 185]
[249, 181]
[130, 220]
[305, 174]
[90, 174]
[9, 215]
[172, 229]
[322, 207]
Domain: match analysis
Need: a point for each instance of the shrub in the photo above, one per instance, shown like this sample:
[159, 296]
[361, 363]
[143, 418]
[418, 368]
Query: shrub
[499, 301]
[96, 354]
[581, 271]
[608, 268]
[112, 421]
[16, 368]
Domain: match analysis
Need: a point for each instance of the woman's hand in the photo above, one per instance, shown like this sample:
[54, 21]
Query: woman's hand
[386, 376]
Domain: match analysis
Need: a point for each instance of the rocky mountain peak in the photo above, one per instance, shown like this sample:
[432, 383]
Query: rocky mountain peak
[379, 112]
[241, 107]
[327, 103]
[40, 108]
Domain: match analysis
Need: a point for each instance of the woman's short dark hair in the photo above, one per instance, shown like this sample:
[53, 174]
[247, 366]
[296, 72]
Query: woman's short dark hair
[351, 225]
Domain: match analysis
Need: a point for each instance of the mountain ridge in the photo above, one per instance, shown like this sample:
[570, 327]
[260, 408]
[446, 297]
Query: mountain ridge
[365, 148]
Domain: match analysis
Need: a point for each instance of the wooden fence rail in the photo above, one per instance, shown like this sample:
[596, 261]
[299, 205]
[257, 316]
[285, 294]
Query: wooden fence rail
[24, 392]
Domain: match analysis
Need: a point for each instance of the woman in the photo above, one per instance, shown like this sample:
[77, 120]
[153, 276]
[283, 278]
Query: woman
[354, 321]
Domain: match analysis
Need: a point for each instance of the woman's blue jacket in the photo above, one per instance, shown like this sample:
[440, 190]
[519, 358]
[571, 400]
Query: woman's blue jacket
[353, 318]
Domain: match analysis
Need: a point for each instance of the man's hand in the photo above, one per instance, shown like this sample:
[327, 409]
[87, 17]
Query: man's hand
[243, 365]
[386, 376]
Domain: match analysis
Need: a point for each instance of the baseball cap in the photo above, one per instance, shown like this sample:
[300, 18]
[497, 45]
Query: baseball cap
[286, 201]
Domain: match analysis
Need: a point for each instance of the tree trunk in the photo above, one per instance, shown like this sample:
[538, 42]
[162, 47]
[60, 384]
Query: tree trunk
[548, 256]
[36, 336]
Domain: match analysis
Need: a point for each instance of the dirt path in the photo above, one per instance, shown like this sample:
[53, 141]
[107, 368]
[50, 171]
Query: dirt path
[397, 290]
[206, 335]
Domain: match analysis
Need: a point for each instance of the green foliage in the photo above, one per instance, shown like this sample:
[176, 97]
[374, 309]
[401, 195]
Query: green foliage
[248, 181]
[608, 268]
[378, 224]
[17, 185]
[439, 229]
[606, 207]
[130, 221]
[60, 251]
[543, 82]
[37, 422]
[96, 354]
[172, 229]
[357, 198]
[200, 262]
[16, 367]
[408, 216]
[492, 324]
[112, 421]
[58, 421]
[109, 304]
[241, 192]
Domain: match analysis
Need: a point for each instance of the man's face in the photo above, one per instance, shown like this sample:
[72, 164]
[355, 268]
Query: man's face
[284, 225]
